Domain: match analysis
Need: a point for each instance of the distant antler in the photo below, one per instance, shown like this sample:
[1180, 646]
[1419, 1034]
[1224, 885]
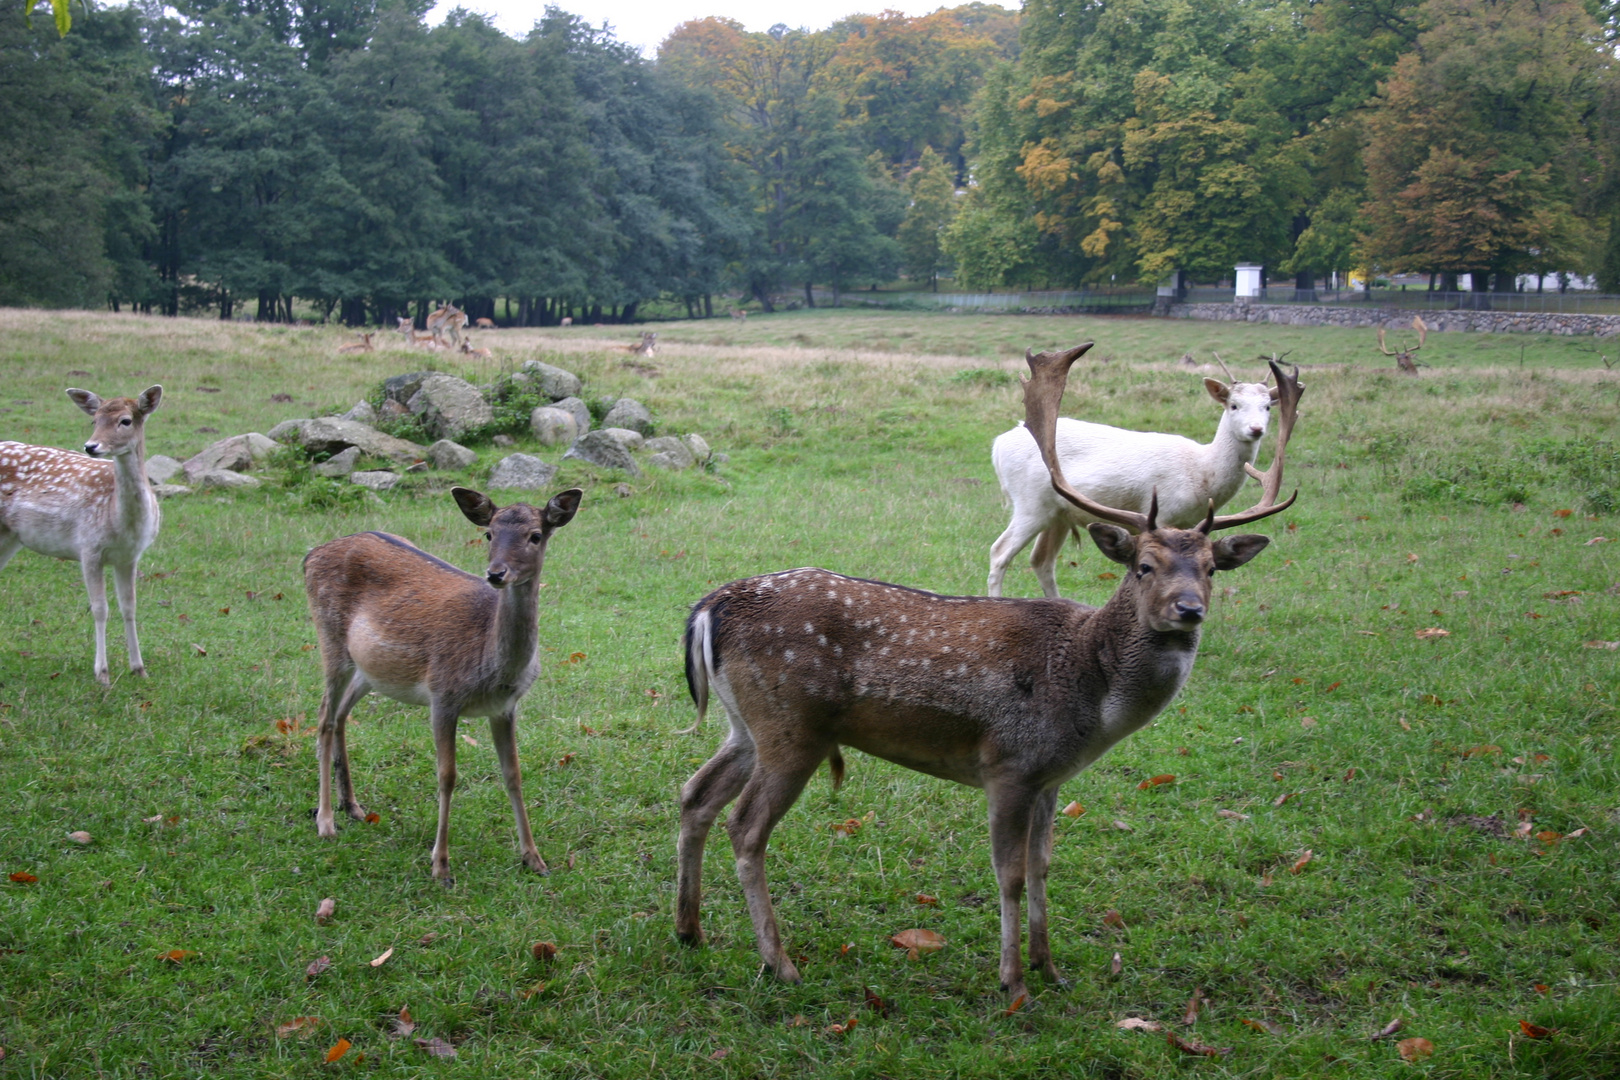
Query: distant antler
[1288, 395]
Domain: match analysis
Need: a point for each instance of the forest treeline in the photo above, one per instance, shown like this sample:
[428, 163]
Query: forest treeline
[344, 157]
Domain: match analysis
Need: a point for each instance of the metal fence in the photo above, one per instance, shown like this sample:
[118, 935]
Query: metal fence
[1098, 301]
[1568, 303]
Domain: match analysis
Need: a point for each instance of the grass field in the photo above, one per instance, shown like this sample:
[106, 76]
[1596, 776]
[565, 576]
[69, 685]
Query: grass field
[1470, 498]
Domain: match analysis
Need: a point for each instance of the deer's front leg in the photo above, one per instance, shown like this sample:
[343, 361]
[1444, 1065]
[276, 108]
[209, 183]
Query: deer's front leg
[702, 799]
[444, 748]
[95, 583]
[124, 589]
[503, 729]
[1010, 808]
[1041, 819]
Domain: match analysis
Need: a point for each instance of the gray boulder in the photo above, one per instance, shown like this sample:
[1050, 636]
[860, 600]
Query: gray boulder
[669, 452]
[445, 454]
[600, 448]
[376, 480]
[629, 413]
[449, 407]
[629, 438]
[521, 472]
[169, 491]
[402, 388]
[331, 435]
[362, 412]
[236, 454]
[339, 464]
[161, 468]
[287, 431]
[553, 382]
[553, 426]
[699, 447]
[580, 411]
[222, 478]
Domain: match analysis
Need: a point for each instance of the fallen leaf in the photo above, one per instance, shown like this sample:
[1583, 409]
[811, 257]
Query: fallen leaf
[1405, 724]
[1123, 827]
[22, 877]
[1577, 833]
[1307, 722]
[297, 1024]
[1156, 781]
[383, 959]
[468, 739]
[1351, 775]
[1018, 1003]
[536, 990]
[875, 1003]
[1482, 750]
[1190, 1017]
[204, 652]
[427, 939]
[1388, 1029]
[1116, 965]
[340, 1048]
[1266, 1026]
[79, 837]
[176, 956]
[1562, 513]
[799, 1020]
[1540, 988]
[1137, 1023]
[565, 759]
[1284, 797]
[1193, 1046]
[1332, 687]
[1299, 864]
[1074, 809]
[403, 1024]
[926, 900]
[843, 950]
[1415, 1049]
[317, 966]
[1534, 1031]
[1411, 557]
[1232, 815]
[840, 1029]
[543, 951]
[720, 1054]
[435, 1047]
[1432, 632]
[325, 910]
[1432, 699]
[373, 817]
[1601, 644]
[1549, 836]
[574, 658]
[916, 942]
[1276, 775]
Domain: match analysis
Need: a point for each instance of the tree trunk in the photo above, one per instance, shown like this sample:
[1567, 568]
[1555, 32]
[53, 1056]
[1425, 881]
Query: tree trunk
[809, 297]
[1305, 286]
[764, 299]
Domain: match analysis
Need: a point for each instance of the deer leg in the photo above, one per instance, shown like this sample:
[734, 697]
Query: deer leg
[702, 799]
[1010, 811]
[444, 748]
[95, 583]
[1048, 546]
[773, 787]
[124, 589]
[9, 546]
[503, 729]
[343, 689]
[1041, 818]
[1019, 532]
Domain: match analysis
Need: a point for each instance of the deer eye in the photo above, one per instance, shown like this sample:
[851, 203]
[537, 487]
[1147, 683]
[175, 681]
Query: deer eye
[125, 422]
[1144, 568]
[534, 538]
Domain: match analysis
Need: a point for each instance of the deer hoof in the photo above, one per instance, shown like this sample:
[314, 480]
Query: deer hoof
[693, 937]
[534, 862]
[325, 827]
[788, 973]
[138, 672]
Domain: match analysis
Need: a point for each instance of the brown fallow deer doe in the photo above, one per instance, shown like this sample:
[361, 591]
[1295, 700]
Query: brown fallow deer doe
[394, 619]
[1013, 696]
[1403, 357]
[98, 510]
[364, 345]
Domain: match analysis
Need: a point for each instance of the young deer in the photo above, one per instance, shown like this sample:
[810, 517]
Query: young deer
[100, 513]
[363, 345]
[394, 619]
[1011, 696]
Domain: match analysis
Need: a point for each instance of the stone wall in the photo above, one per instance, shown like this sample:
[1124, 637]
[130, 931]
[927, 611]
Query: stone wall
[1487, 322]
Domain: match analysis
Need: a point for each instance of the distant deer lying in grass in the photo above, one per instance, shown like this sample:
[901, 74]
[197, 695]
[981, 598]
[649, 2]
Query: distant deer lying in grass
[467, 349]
[739, 315]
[394, 619]
[362, 346]
[484, 324]
[1010, 696]
[1403, 357]
[647, 347]
[98, 510]
[1126, 470]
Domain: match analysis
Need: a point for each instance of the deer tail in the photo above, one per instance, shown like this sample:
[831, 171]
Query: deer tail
[835, 764]
[698, 645]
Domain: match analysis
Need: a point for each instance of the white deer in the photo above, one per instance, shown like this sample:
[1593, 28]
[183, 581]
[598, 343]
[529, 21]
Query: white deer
[98, 510]
[1122, 469]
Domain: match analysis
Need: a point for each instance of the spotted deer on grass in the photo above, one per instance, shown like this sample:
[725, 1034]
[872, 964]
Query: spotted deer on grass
[95, 508]
[392, 618]
[1011, 696]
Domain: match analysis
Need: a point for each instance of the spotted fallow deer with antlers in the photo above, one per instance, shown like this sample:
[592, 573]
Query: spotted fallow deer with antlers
[97, 510]
[1403, 357]
[1012, 696]
[392, 618]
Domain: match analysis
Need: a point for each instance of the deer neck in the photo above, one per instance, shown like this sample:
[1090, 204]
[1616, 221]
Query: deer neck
[516, 631]
[1227, 450]
[1143, 668]
[135, 501]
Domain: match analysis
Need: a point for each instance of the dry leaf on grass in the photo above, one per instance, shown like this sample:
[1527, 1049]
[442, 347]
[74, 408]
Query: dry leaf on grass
[403, 1024]
[1114, 919]
[720, 1054]
[383, 959]
[317, 966]
[840, 1029]
[1266, 1026]
[1284, 797]
[1415, 1049]
[1193, 1046]
[23, 877]
[79, 837]
[468, 739]
[1137, 1023]
[875, 1003]
[325, 910]
[1601, 644]
[1432, 632]
[427, 939]
[373, 817]
[1018, 1003]
[435, 1047]
[176, 956]
[1074, 809]
[1299, 863]
[339, 1048]
[1231, 815]
[1388, 1029]
[306, 1024]
[1123, 827]
[926, 900]
[1116, 965]
[543, 951]
[1535, 1031]
[1156, 781]
[916, 942]
[1190, 1017]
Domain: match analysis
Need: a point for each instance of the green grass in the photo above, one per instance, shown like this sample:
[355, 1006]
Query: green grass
[858, 442]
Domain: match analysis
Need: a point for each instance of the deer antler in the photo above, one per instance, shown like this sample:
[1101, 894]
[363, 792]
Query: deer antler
[1423, 332]
[1381, 348]
[1043, 392]
[1224, 368]
[1288, 394]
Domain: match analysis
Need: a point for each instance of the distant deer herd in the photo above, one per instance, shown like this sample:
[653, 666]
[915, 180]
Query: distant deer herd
[1012, 696]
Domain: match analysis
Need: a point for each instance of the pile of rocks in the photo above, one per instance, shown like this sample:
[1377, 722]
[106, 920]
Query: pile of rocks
[447, 408]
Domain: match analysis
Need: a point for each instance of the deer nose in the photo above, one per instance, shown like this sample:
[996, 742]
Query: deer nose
[1190, 611]
[496, 576]
[1256, 432]
[92, 448]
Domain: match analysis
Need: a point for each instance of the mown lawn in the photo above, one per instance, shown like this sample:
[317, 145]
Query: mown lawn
[1471, 499]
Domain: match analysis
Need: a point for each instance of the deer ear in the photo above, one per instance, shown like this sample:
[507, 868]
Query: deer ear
[476, 505]
[84, 399]
[562, 507]
[1232, 552]
[149, 400]
[1217, 390]
[1113, 541]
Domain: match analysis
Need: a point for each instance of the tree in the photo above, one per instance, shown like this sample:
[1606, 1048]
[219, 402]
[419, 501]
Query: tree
[931, 188]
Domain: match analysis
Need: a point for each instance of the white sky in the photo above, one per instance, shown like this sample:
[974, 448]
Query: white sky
[645, 23]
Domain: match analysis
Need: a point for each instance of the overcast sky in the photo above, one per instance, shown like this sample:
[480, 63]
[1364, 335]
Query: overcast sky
[645, 23]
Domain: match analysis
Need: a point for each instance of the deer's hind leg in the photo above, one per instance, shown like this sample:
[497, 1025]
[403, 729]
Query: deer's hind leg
[503, 729]
[1042, 815]
[344, 686]
[702, 799]
[1044, 559]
